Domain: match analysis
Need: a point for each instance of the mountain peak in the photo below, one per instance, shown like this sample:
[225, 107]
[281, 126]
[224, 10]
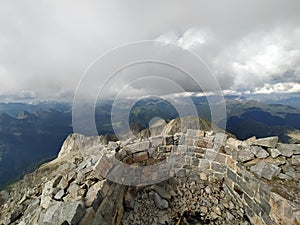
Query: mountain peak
[211, 178]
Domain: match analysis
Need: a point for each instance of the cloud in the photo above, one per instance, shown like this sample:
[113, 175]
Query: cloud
[288, 87]
[47, 45]
[191, 39]
[260, 58]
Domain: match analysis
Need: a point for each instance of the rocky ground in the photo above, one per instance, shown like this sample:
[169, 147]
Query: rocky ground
[183, 201]
[244, 182]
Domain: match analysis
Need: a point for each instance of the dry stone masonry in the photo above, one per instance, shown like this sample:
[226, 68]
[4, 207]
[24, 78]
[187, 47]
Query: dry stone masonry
[213, 179]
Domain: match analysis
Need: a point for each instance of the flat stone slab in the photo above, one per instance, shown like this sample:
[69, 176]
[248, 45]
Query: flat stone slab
[265, 170]
[285, 149]
[269, 142]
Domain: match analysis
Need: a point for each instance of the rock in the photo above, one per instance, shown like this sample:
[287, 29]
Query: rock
[112, 145]
[22, 223]
[120, 155]
[59, 213]
[270, 171]
[139, 146]
[163, 219]
[203, 176]
[159, 202]
[208, 190]
[229, 216]
[168, 140]
[259, 152]
[275, 152]
[156, 141]
[295, 160]
[46, 197]
[285, 150]
[203, 209]
[181, 173]
[4, 196]
[235, 144]
[243, 155]
[16, 213]
[50, 217]
[278, 161]
[140, 156]
[161, 191]
[252, 162]
[59, 195]
[265, 170]
[269, 142]
[74, 192]
[250, 140]
[88, 217]
[94, 196]
[218, 211]
[128, 200]
[213, 215]
[284, 176]
[293, 175]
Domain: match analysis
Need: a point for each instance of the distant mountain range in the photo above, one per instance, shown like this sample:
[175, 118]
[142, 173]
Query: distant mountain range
[32, 133]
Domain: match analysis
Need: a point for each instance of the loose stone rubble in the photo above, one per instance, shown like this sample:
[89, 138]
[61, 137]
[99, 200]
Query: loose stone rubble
[214, 179]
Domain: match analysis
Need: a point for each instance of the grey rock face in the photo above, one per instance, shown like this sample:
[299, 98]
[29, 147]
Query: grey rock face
[59, 213]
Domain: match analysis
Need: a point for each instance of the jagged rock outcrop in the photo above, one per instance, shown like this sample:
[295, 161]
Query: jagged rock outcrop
[212, 179]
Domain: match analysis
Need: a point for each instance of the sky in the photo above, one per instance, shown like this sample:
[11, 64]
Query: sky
[46, 47]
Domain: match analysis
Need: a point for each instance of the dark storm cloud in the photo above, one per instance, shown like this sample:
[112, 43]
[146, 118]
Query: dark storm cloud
[47, 45]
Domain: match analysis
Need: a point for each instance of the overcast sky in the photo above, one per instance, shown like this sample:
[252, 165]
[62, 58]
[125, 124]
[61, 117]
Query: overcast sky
[46, 46]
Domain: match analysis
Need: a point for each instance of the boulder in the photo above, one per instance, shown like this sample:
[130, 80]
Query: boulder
[140, 156]
[139, 146]
[60, 213]
[259, 152]
[243, 155]
[236, 144]
[94, 196]
[285, 149]
[47, 193]
[275, 152]
[295, 160]
[269, 142]
[266, 170]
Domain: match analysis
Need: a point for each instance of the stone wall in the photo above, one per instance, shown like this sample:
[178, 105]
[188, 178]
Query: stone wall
[260, 175]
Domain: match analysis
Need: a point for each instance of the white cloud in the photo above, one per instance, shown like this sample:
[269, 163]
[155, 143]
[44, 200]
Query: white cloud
[288, 87]
[262, 57]
[191, 39]
[47, 45]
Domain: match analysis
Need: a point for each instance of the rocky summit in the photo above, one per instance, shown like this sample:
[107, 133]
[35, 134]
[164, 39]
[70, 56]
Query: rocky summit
[166, 175]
